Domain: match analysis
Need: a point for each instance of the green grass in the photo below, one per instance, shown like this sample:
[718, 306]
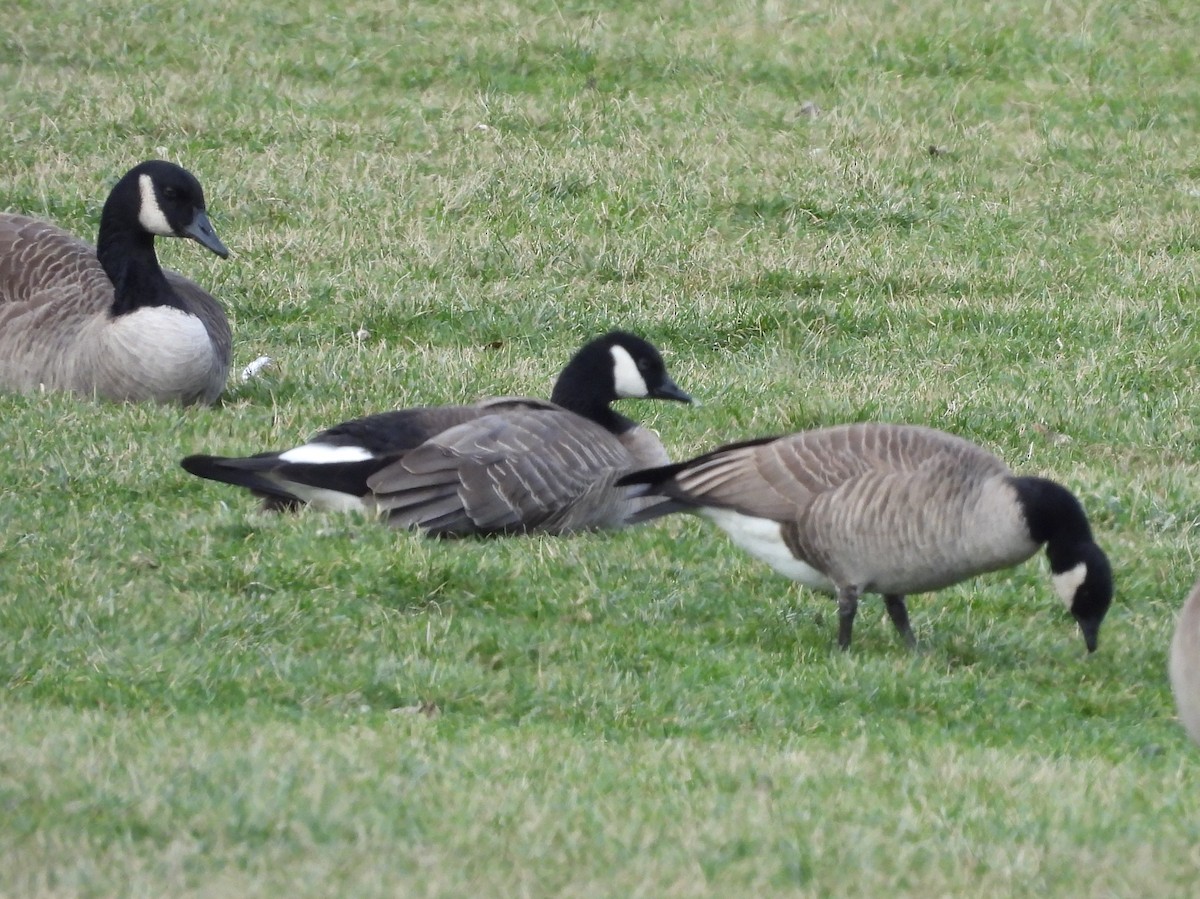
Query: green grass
[990, 226]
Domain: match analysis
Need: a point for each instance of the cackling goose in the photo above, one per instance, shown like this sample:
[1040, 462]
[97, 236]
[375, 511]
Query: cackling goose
[888, 509]
[500, 466]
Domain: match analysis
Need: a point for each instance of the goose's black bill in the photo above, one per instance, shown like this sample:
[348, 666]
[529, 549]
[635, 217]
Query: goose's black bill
[202, 231]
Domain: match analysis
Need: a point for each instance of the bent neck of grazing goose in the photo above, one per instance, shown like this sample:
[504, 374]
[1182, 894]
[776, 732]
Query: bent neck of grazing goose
[1053, 516]
[1080, 570]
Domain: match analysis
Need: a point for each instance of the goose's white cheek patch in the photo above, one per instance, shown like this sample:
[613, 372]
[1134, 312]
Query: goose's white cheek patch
[325, 454]
[627, 380]
[1067, 582]
[150, 214]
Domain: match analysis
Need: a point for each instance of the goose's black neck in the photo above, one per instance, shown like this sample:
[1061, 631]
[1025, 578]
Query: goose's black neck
[1054, 517]
[126, 253]
[585, 388]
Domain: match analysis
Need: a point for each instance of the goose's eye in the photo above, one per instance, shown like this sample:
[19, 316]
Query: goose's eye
[170, 193]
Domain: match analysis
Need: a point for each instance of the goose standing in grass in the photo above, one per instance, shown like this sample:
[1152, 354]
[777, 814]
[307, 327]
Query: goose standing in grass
[500, 466]
[109, 321]
[888, 509]
[1185, 665]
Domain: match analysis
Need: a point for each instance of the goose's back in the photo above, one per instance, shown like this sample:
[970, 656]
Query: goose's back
[891, 508]
[401, 430]
[51, 287]
[778, 477]
[517, 471]
[42, 266]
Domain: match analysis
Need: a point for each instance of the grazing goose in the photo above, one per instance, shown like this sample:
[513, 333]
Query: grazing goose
[500, 466]
[109, 321]
[888, 509]
[1185, 665]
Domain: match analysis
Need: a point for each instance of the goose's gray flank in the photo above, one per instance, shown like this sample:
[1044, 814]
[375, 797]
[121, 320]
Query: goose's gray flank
[109, 321]
[888, 509]
[501, 466]
[1184, 665]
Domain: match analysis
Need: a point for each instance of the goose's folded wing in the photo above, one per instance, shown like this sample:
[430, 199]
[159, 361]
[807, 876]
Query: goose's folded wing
[200, 303]
[773, 477]
[752, 478]
[522, 470]
[44, 270]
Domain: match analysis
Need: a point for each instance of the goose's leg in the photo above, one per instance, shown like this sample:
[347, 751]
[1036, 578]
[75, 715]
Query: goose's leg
[898, 612]
[847, 600]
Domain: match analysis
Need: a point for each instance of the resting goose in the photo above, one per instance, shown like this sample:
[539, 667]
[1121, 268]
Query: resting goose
[109, 321]
[1185, 665]
[888, 509]
[500, 466]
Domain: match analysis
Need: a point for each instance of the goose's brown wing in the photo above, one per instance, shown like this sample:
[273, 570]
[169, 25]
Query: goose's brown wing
[512, 472]
[776, 478]
[42, 266]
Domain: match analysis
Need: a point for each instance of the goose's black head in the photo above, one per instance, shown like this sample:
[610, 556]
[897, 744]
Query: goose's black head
[1085, 586]
[163, 199]
[618, 365]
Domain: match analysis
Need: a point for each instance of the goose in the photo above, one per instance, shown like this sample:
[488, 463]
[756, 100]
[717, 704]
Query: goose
[1185, 665]
[108, 321]
[886, 508]
[508, 465]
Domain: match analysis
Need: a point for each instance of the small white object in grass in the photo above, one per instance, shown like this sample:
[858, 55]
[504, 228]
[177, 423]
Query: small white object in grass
[362, 334]
[482, 127]
[252, 370]
[325, 454]
[426, 709]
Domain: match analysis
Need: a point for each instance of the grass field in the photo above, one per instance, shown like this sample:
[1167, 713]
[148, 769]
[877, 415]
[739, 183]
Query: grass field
[979, 216]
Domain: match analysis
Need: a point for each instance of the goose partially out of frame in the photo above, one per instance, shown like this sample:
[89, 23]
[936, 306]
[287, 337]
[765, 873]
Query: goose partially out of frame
[1185, 665]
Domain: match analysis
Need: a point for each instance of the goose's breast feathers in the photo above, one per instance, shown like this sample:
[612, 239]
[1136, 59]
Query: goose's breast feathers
[156, 352]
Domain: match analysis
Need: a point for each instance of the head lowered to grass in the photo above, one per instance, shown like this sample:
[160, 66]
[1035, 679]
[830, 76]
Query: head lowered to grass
[499, 466]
